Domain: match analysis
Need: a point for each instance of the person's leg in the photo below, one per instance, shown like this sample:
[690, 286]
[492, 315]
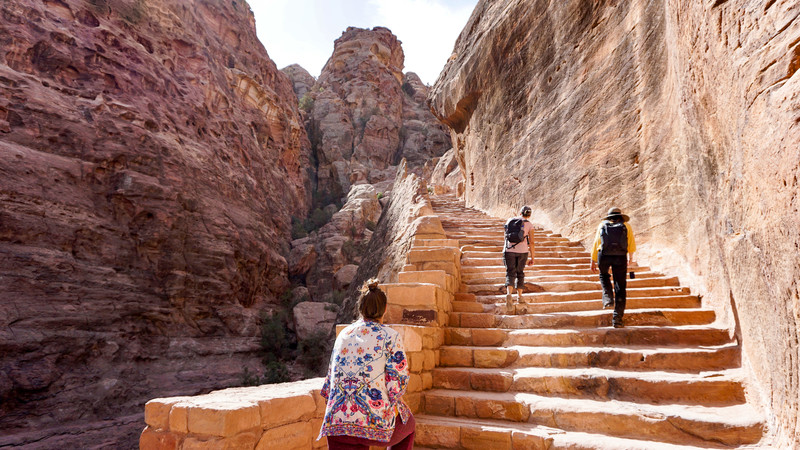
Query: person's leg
[510, 262]
[619, 269]
[345, 443]
[605, 281]
[521, 259]
[403, 436]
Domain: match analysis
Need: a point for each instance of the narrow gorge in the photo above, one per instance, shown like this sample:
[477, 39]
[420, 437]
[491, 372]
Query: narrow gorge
[183, 224]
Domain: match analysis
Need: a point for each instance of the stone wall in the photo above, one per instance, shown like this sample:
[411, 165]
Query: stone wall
[285, 416]
[289, 415]
[141, 237]
[683, 113]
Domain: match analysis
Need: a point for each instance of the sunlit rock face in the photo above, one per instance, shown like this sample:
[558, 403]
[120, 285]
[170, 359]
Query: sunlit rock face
[368, 114]
[302, 81]
[682, 113]
[151, 157]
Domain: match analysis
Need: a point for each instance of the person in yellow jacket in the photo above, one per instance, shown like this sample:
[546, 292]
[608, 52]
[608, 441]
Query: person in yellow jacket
[613, 249]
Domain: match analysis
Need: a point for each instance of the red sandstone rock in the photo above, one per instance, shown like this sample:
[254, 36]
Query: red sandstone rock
[682, 113]
[142, 148]
[302, 81]
[367, 114]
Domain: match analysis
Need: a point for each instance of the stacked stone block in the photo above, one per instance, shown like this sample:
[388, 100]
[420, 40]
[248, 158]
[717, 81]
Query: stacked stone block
[285, 416]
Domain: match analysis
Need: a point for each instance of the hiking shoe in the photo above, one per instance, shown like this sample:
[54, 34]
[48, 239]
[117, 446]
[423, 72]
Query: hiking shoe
[509, 300]
[608, 305]
[618, 325]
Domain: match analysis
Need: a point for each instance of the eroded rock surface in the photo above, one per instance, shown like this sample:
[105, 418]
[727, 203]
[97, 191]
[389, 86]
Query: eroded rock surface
[682, 113]
[151, 156]
[367, 114]
[302, 81]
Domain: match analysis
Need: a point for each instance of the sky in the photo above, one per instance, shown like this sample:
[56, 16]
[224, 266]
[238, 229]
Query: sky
[302, 31]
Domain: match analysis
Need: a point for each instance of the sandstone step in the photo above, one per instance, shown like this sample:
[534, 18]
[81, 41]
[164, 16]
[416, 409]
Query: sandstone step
[496, 304]
[450, 432]
[718, 388]
[575, 285]
[593, 294]
[674, 359]
[677, 424]
[497, 275]
[583, 319]
[536, 262]
[683, 336]
[486, 351]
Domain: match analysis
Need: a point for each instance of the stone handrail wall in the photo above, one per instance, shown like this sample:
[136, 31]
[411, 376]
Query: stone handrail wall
[289, 415]
[286, 416]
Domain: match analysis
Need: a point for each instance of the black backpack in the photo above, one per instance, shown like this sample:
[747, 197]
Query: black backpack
[515, 231]
[614, 238]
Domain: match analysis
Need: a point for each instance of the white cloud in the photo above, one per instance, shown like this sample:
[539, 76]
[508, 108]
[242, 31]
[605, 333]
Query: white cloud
[428, 30]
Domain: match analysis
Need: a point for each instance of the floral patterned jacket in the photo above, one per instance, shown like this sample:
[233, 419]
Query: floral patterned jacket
[367, 377]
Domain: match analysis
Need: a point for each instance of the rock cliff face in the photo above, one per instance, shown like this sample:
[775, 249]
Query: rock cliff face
[367, 114]
[364, 115]
[682, 113]
[302, 81]
[151, 156]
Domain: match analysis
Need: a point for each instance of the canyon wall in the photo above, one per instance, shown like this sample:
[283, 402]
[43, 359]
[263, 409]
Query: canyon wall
[363, 116]
[685, 114]
[151, 157]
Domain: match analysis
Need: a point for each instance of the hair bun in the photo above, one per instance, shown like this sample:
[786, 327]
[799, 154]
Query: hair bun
[372, 284]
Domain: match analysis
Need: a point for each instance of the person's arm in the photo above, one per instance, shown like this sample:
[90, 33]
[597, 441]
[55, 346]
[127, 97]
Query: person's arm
[631, 244]
[531, 244]
[396, 369]
[595, 249]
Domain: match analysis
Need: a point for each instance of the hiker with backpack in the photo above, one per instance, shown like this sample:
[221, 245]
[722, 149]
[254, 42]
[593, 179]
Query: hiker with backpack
[517, 246]
[613, 248]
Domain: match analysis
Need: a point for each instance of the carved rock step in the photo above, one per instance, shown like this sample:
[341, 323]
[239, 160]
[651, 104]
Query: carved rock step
[674, 359]
[487, 351]
[538, 252]
[585, 260]
[683, 336]
[677, 424]
[593, 294]
[498, 273]
[576, 285]
[583, 319]
[720, 388]
[455, 433]
[496, 304]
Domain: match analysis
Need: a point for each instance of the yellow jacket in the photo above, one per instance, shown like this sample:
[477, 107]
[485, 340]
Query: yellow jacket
[596, 244]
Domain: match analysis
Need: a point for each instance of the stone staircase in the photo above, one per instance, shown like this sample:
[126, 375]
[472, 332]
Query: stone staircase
[552, 372]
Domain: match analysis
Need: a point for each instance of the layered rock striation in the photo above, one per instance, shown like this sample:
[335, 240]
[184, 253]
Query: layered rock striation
[364, 116]
[367, 114]
[682, 113]
[152, 156]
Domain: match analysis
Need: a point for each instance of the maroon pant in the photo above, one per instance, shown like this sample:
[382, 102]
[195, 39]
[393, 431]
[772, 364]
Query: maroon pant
[402, 438]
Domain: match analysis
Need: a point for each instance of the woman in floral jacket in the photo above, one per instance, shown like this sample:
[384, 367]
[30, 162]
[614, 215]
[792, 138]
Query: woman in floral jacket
[366, 380]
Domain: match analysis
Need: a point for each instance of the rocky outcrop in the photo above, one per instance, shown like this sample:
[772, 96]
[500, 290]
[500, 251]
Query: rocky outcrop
[684, 114]
[141, 233]
[367, 114]
[302, 81]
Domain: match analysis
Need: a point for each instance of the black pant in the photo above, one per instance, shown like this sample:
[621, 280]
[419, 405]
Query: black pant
[618, 265]
[515, 268]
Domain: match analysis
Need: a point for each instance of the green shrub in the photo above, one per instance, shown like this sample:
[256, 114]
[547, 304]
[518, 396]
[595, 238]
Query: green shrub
[276, 373]
[298, 229]
[250, 379]
[314, 352]
[274, 340]
[306, 102]
[338, 297]
[380, 195]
